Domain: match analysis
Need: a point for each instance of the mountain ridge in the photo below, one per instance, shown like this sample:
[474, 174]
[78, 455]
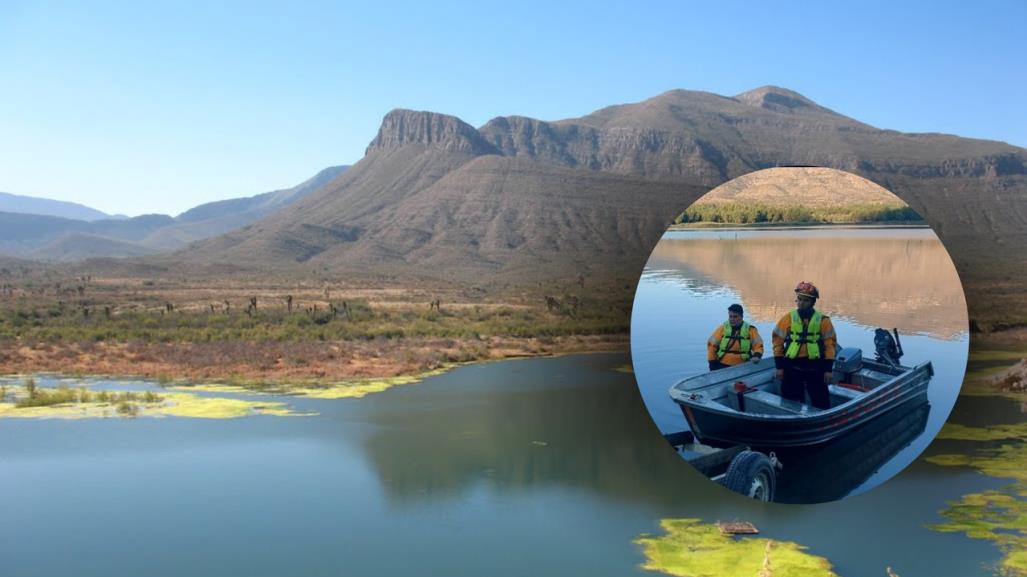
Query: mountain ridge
[22, 204]
[395, 208]
[54, 238]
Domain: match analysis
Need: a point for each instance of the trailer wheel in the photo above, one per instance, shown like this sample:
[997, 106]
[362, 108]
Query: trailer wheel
[751, 473]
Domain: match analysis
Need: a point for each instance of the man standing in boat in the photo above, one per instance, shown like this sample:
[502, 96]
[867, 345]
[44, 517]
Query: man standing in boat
[804, 350]
[734, 342]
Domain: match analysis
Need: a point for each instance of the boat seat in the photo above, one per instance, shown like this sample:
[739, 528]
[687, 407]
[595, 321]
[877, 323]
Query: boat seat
[843, 392]
[767, 403]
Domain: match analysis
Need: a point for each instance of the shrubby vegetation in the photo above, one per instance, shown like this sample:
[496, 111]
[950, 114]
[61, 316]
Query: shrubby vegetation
[125, 403]
[49, 323]
[752, 213]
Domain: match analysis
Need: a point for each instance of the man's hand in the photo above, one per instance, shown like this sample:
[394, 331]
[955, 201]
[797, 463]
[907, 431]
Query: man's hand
[828, 377]
[780, 375]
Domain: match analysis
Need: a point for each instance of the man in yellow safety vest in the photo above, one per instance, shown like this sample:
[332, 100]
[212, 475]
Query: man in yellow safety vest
[734, 342]
[804, 350]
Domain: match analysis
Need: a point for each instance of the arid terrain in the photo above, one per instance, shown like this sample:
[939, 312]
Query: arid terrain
[529, 234]
[258, 331]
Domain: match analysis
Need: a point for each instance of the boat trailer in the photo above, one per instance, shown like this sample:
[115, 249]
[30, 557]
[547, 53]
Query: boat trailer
[739, 468]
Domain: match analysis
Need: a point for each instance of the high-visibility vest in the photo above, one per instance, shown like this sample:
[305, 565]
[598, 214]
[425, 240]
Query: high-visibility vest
[743, 338]
[808, 335]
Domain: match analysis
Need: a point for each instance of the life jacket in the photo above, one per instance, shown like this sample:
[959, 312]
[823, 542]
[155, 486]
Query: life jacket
[808, 335]
[743, 337]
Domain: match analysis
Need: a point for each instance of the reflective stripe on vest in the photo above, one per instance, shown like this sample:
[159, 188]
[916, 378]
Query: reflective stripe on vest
[743, 338]
[809, 336]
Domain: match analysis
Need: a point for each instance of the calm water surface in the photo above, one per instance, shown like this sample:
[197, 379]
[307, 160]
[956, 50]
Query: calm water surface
[868, 278]
[527, 467]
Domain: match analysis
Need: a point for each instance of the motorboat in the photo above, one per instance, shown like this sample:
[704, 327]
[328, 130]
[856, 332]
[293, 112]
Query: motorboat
[742, 405]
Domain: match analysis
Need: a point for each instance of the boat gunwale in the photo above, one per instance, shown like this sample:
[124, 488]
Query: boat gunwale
[708, 405]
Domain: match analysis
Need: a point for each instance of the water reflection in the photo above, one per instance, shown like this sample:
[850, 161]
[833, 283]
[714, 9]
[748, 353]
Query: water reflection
[586, 430]
[872, 277]
[847, 463]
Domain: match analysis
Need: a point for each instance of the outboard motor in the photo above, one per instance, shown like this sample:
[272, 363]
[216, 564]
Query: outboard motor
[888, 349]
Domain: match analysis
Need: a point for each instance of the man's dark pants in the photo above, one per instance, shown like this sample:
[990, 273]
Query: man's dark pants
[805, 376]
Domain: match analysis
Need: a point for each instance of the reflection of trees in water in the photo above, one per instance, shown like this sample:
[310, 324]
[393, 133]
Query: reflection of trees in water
[596, 437]
[890, 282]
[685, 277]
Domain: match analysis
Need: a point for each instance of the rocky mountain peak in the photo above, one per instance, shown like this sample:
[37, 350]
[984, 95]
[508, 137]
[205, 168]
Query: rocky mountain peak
[402, 127]
[779, 100]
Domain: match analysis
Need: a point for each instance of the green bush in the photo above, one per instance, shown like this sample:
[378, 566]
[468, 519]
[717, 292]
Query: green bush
[755, 213]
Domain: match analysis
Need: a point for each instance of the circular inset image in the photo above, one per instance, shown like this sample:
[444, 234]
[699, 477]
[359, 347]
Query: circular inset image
[800, 335]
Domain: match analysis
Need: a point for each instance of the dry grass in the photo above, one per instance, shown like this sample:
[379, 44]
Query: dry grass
[170, 329]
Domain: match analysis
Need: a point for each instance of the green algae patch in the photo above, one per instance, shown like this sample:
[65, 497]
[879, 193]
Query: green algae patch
[955, 431]
[349, 389]
[691, 548]
[983, 389]
[68, 411]
[197, 407]
[81, 403]
[360, 388]
[949, 460]
[996, 516]
[220, 388]
[996, 355]
[1007, 461]
[999, 516]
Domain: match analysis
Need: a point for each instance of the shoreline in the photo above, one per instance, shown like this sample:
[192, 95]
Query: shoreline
[795, 225]
[286, 366]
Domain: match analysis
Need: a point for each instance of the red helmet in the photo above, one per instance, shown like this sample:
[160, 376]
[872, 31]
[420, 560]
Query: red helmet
[807, 289]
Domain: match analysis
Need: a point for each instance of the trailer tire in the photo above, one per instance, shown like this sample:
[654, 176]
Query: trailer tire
[751, 473]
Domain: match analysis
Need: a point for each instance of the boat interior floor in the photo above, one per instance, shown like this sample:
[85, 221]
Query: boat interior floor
[764, 395]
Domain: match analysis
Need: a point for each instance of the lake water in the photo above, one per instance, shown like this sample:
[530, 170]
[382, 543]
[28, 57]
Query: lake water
[526, 467]
[868, 278]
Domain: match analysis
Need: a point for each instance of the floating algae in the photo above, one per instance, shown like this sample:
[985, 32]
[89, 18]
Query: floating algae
[998, 515]
[949, 460]
[996, 355]
[1008, 460]
[955, 431]
[221, 388]
[352, 389]
[695, 549]
[89, 405]
[360, 388]
[194, 406]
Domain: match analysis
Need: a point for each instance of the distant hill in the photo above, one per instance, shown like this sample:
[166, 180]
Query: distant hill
[52, 238]
[77, 246]
[520, 200]
[45, 237]
[798, 194]
[46, 207]
[214, 218]
[809, 187]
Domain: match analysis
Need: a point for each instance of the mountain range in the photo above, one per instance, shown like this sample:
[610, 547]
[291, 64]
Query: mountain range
[522, 199]
[47, 207]
[61, 231]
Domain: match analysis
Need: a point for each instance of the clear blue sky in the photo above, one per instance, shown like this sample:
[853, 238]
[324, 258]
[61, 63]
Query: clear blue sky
[156, 107]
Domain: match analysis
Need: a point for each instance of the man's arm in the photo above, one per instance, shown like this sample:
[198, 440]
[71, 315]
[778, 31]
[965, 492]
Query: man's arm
[830, 346]
[778, 339]
[756, 343]
[713, 343]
